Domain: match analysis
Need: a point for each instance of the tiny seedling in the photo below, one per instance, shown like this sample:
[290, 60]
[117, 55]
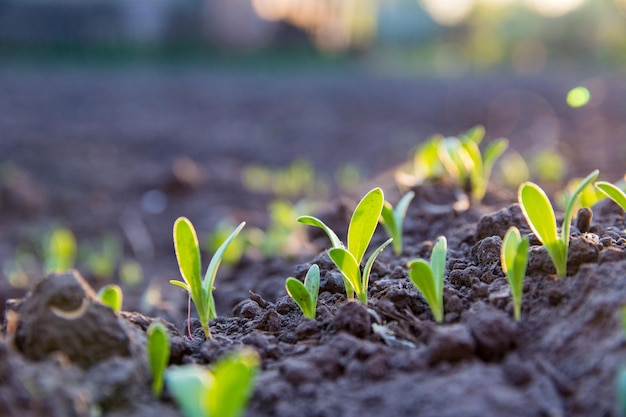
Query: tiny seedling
[60, 251]
[514, 258]
[158, 349]
[428, 277]
[188, 256]
[464, 161]
[112, 296]
[360, 231]
[393, 219]
[613, 192]
[305, 295]
[223, 392]
[540, 216]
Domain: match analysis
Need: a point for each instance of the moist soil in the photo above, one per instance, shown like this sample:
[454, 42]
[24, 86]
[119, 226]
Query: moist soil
[64, 354]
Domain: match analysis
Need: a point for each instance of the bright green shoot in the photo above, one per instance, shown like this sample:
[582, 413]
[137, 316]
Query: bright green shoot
[464, 161]
[428, 277]
[223, 392]
[613, 192]
[514, 258]
[60, 251]
[112, 296]
[305, 295]
[393, 219]
[360, 231]
[158, 350]
[188, 256]
[540, 216]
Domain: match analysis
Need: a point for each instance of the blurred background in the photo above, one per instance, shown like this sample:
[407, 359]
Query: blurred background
[116, 117]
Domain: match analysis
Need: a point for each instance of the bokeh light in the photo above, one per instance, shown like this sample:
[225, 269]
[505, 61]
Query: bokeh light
[578, 97]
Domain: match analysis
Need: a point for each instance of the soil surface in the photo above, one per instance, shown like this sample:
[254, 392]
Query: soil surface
[88, 146]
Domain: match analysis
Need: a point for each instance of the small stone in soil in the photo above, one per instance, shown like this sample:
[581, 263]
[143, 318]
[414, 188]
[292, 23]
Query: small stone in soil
[450, 343]
[353, 317]
[493, 330]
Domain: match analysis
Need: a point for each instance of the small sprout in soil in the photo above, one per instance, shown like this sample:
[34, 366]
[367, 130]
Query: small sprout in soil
[305, 295]
[188, 256]
[539, 214]
[393, 219]
[425, 164]
[60, 251]
[613, 192]
[428, 277]
[158, 350]
[223, 392]
[112, 296]
[514, 258]
[464, 161]
[360, 231]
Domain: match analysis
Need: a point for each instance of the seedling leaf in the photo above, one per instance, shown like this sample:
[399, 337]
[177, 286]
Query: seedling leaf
[234, 382]
[158, 348]
[211, 272]
[305, 295]
[537, 209]
[187, 252]
[514, 259]
[363, 223]
[188, 385]
[393, 219]
[112, 296]
[613, 192]
[422, 276]
[370, 263]
[349, 267]
[438, 263]
[313, 221]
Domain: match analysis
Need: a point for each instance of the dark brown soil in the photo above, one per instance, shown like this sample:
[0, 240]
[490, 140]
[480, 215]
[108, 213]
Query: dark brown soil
[88, 161]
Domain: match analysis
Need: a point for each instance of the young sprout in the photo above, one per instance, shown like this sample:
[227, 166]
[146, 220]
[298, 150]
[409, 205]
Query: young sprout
[112, 296]
[393, 219]
[514, 258]
[428, 277]
[613, 192]
[425, 164]
[305, 295]
[223, 392]
[188, 256]
[158, 350]
[539, 214]
[60, 251]
[464, 161]
[360, 231]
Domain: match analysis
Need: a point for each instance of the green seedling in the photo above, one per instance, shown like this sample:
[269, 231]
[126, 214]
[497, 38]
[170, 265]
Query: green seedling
[112, 296]
[158, 350]
[223, 392]
[540, 216]
[613, 192]
[360, 231]
[428, 277]
[464, 161]
[60, 251]
[305, 295]
[393, 219]
[425, 164]
[514, 258]
[188, 256]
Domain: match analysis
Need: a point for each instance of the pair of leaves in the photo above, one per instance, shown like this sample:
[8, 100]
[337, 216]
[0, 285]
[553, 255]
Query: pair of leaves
[360, 231]
[188, 256]
[464, 161]
[540, 216]
[514, 259]
[223, 392]
[305, 295]
[428, 277]
[393, 219]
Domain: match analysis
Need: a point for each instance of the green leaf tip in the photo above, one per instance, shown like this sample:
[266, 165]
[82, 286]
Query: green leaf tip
[363, 223]
[514, 260]
[158, 349]
[112, 296]
[305, 294]
[613, 192]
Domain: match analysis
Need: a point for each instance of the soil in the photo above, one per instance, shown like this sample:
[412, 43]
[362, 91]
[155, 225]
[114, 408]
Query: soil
[100, 141]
